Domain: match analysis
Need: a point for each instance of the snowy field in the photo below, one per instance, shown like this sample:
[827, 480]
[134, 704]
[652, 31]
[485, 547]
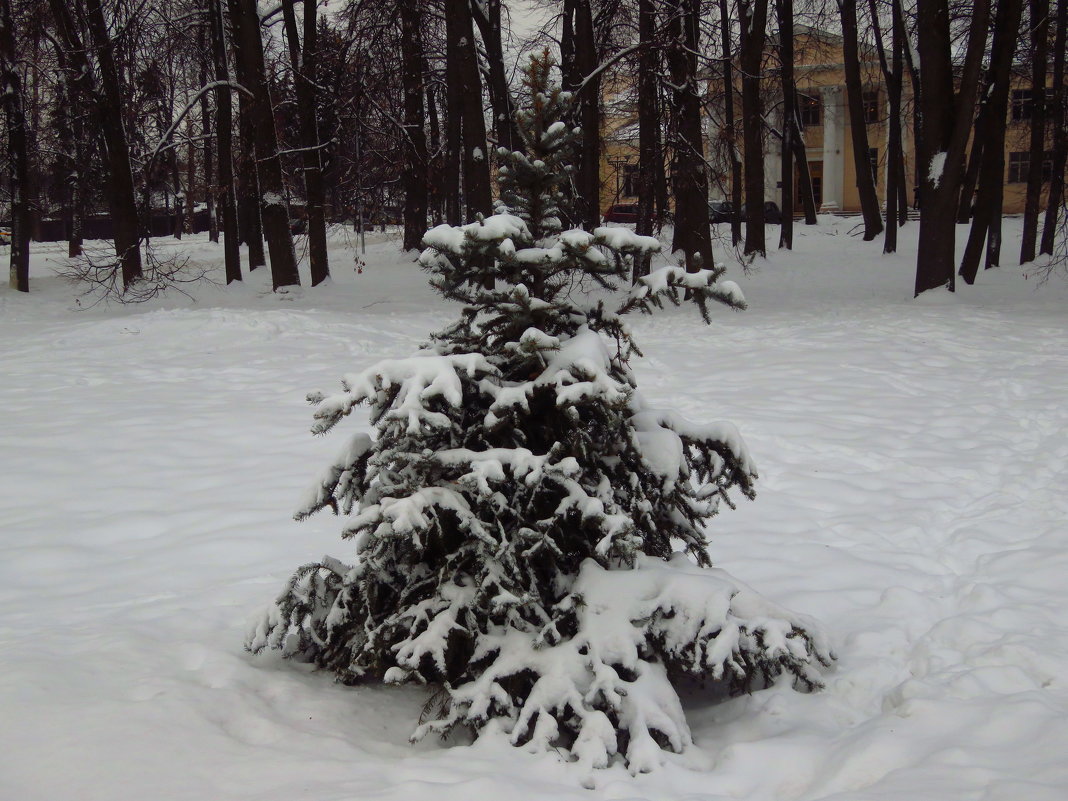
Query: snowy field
[912, 456]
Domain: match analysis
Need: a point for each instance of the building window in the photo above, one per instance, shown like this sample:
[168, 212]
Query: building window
[630, 180]
[1021, 105]
[809, 109]
[1018, 161]
[1020, 165]
[870, 101]
[873, 160]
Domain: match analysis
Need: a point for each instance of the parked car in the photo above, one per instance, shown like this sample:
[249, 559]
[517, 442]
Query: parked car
[720, 211]
[772, 213]
[622, 213]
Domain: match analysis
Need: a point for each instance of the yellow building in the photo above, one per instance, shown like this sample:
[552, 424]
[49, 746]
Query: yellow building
[823, 109]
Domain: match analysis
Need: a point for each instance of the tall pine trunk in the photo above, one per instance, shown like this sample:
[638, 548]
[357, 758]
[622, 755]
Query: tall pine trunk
[945, 122]
[986, 221]
[1059, 120]
[224, 122]
[273, 210]
[304, 59]
[897, 208]
[487, 16]
[76, 183]
[785, 14]
[893, 77]
[209, 153]
[1037, 148]
[191, 173]
[754, 20]
[71, 133]
[435, 157]
[650, 161]
[465, 85]
[689, 176]
[11, 89]
[729, 123]
[455, 89]
[804, 179]
[590, 117]
[975, 159]
[578, 49]
[869, 201]
[249, 223]
[108, 103]
[414, 177]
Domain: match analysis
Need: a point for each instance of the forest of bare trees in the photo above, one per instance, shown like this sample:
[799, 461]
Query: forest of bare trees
[262, 122]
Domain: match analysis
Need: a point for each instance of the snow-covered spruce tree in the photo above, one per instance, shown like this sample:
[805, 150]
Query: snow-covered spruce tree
[528, 532]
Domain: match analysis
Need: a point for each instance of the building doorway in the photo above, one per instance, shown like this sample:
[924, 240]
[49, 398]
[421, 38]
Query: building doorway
[815, 170]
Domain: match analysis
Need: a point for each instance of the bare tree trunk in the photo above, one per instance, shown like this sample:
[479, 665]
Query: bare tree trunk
[1059, 118]
[72, 142]
[179, 200]
[1037, 149]
[893, 76]
[902, 190]
[986, 221]
[946, 121]
[869, 201]
[414, 178]
[107, 102]
[804, 180]
[224, 122]
[172, 163]
[754, 20]
[579, 62]
[273, 210]
[305, 62]
[589, 178]
[465, 87]
[728, 121]
[191, 177]
[455, 12]
[250, 226]
[785, 12]
[649, 158]
[123, 198]
[205, 121]
[435, 173]
[75, 183]
[689, 175]
[488, 18]
[919, 147]
[897, 209]
[975, 162]
[11, 91]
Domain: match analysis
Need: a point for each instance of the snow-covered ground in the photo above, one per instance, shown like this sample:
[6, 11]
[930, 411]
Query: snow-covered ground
[912, 457]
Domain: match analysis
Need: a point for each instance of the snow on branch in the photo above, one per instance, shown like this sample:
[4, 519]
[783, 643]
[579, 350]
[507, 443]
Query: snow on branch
[209, 87]
[400, 388]
[651, 290]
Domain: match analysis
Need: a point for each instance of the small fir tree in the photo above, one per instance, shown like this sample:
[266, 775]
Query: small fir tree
[529, 533]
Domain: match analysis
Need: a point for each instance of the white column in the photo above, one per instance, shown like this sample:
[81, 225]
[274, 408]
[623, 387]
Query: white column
[773, 171]
[832, 149]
